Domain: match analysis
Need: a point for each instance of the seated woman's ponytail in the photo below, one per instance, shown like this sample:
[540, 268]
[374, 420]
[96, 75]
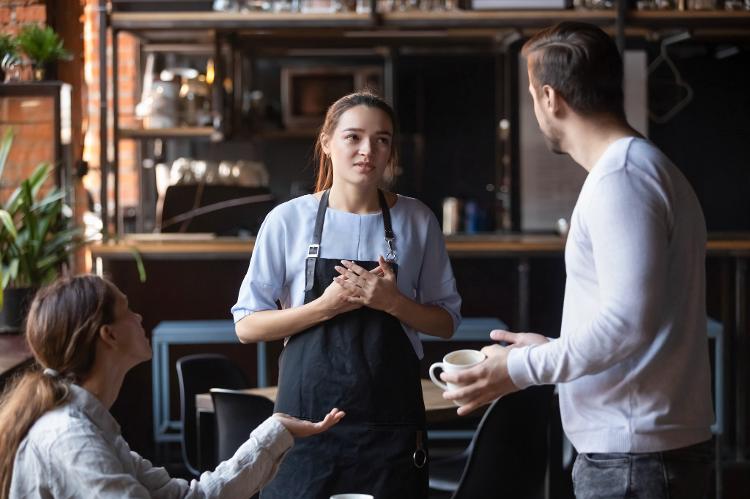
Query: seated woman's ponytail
[61, 329]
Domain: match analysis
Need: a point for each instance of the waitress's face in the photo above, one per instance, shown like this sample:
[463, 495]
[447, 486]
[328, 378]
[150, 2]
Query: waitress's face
[360, 146]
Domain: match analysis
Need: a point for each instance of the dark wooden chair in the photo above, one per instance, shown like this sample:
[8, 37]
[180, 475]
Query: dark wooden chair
[198, 374]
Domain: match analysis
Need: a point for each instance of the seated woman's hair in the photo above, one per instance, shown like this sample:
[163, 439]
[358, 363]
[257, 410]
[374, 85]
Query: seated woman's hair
[61, 329]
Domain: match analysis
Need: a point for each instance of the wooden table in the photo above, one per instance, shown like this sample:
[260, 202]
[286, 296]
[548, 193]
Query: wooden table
[169, 333]
[437, 408]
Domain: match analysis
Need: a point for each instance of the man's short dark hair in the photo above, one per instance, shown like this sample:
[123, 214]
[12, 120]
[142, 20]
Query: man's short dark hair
[582, 63]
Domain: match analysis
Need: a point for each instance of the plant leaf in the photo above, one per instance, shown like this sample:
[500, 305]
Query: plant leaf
[5, 278]
[68, 237]
[5, 144]
[54, 197]
[29, 218]
[11, 205]
[44, 264]
[138, 263]
[7, 221]
[38, 177]
[35, 237]
[41, 45]
[13, 270]
[46, 221]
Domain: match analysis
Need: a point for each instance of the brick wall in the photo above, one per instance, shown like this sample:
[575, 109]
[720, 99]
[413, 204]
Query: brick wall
[127, 58]
[33, 131]
[30, 147]
[16, 13]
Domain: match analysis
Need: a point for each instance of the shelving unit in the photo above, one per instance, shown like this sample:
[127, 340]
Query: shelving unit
[219, 30]
[466, 19]
[204, 132]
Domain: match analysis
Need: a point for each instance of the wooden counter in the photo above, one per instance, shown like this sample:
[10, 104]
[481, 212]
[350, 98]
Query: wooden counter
[200, 247]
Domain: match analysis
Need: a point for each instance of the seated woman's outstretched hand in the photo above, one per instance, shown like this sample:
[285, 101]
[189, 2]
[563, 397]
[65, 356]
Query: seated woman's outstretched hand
[300, 428]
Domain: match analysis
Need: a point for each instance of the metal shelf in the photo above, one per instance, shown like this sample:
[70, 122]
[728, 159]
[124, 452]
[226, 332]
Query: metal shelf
[137, 21]
[171, 133]
[702, 19]
[467, 19]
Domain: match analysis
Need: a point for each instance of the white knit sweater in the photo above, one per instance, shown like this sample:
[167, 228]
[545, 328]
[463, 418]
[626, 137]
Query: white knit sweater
[632, 357]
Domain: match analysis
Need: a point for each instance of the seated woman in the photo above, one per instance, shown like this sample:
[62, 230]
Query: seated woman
[58, 437]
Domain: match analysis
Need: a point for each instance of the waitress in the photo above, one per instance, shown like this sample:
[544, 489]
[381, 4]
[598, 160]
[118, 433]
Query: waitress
[358, 273]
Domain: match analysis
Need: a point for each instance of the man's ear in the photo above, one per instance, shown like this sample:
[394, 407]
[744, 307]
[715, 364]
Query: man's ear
[108, 336]
[553, 101]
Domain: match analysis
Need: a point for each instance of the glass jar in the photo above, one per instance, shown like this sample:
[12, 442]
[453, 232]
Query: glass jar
[599, 4]
[734, 4]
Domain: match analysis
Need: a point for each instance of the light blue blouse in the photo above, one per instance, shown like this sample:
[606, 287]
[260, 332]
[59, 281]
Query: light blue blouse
[278, 262]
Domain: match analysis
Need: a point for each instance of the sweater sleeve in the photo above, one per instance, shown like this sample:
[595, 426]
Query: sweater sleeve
[627, 222]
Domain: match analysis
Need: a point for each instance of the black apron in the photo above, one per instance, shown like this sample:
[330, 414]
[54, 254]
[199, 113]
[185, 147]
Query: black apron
[363, 363]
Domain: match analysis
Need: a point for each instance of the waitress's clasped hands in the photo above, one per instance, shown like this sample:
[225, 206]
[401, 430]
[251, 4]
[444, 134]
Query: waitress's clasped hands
[374, 288]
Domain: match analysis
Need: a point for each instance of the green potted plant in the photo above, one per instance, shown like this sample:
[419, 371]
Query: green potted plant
[42, 46]
[36, 239]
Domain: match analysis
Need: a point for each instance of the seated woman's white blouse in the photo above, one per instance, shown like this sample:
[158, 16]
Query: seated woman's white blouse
[277, 266]
[76, 451]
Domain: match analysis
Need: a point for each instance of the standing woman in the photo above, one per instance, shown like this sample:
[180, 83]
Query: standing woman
[358, 273]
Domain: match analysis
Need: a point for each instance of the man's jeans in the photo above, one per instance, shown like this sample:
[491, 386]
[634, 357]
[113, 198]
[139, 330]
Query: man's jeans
[676, 474]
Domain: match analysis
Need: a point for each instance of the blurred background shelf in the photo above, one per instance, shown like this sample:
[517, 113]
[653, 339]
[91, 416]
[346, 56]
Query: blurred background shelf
[171, 133]
[222, 21]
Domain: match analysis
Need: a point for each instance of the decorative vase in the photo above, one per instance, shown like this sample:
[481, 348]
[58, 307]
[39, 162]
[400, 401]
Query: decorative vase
[40, 72]
[16, 302]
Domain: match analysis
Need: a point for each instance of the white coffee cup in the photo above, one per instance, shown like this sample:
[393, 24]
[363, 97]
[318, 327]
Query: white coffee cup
[352, 496]
[455, 361]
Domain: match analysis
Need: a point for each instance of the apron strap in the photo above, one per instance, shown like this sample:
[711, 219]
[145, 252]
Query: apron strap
[390, 237]
[313, 250]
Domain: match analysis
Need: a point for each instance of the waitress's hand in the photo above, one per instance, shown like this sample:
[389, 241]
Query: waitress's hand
[375, 288]
[300, 428]
[335, 300]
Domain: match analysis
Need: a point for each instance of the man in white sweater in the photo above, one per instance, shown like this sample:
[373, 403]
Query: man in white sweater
[632, 357]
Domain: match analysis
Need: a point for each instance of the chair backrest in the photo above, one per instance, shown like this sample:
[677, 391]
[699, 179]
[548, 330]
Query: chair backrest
[237, 414]
[198, 374]
[244, 210]
[509, 449]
